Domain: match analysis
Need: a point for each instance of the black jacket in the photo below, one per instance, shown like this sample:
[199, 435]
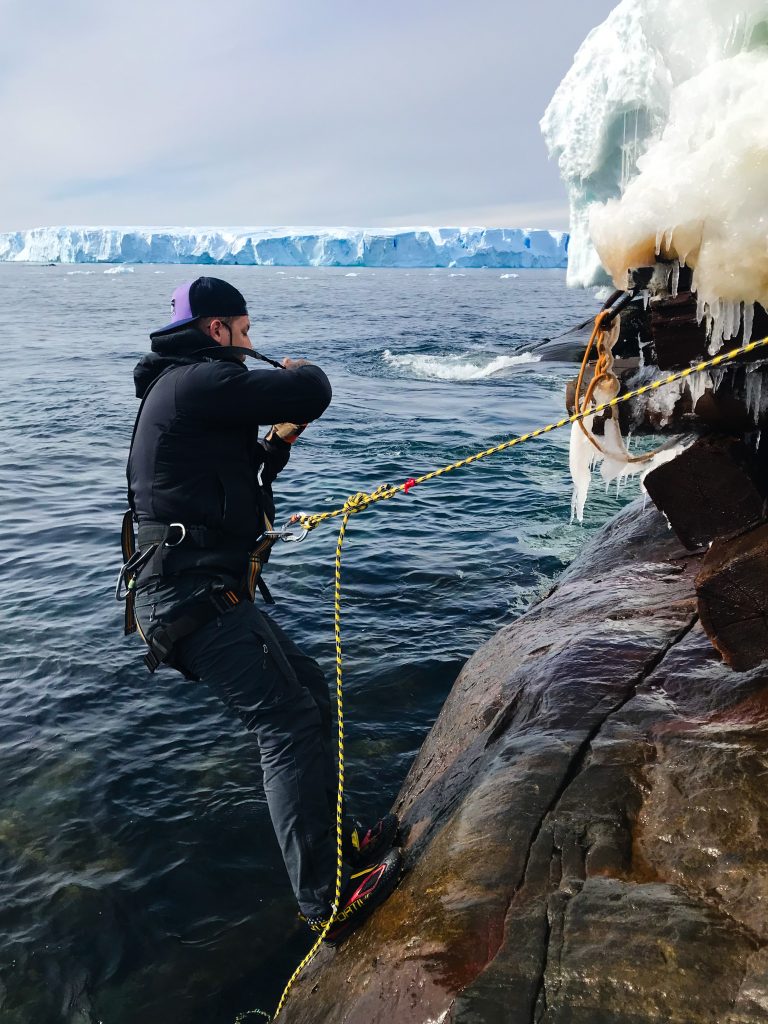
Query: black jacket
[196, 456]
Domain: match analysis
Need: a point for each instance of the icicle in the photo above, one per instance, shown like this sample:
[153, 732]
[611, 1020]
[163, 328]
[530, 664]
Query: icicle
[697, 385]
[754, 391]
[675, 277]
[749, 316]
[737, 312]
[615, 460]
[714, 325]
[580, 458]
[717, 377]
[701, 307]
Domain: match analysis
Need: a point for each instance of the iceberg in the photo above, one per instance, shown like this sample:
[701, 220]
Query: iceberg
[292, 247]
[662, 142]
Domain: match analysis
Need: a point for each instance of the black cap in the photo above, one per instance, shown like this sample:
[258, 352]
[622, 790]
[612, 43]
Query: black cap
[206, 296]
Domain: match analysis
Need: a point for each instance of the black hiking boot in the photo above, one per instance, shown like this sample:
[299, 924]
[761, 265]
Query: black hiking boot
[367, 846]
[366, 890]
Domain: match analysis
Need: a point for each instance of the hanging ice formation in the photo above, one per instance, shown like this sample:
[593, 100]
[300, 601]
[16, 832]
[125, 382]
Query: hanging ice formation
[661, 136]
[608, 450]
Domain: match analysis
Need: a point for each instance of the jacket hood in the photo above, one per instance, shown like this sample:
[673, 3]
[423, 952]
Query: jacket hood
[175, 349]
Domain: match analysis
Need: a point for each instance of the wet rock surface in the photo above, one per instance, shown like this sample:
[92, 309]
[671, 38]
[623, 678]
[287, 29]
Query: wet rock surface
[585, 822]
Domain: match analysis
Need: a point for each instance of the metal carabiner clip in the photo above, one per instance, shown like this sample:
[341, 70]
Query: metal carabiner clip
[291, 533]
[182, 527]
[131, 569]
[120, 594]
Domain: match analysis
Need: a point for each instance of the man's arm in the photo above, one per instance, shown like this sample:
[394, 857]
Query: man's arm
[226, 392]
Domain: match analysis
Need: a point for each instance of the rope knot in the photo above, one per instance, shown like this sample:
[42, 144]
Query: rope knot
[357, 502]
[308, 522]
[360, 501]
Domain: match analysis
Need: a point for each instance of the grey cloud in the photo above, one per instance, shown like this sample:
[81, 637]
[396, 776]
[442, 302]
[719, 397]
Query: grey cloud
[193, 112]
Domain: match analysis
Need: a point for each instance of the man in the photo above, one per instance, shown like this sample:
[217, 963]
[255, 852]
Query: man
[200, 489]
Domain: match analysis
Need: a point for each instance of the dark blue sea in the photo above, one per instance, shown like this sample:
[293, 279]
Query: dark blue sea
[139, 875]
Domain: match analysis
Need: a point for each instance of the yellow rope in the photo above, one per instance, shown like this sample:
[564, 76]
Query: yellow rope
[340, 791]
[358, 503]
[361, 500]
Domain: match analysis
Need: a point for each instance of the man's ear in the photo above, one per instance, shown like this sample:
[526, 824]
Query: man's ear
[216, 330]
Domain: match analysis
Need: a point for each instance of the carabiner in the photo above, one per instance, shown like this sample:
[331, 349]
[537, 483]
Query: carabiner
[182, 527]
[291, 533]
[129, 572]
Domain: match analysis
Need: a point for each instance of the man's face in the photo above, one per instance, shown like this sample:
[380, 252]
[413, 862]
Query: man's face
[240, 326]
[232, 331]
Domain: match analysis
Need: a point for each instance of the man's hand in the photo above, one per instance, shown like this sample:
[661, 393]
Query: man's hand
[294, 364]
[287, 432]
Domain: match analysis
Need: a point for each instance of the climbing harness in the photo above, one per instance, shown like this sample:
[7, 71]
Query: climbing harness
[155, 540]
[204, 604]
[361, 501]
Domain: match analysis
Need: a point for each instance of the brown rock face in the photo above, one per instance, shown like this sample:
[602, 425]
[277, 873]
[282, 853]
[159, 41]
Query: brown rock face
[678, 336]
[732, 588]
[713, 488]
[585, 821]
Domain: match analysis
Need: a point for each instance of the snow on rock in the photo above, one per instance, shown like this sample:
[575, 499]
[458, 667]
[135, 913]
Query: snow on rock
[661, 137]
[296, 247]
[701, 195]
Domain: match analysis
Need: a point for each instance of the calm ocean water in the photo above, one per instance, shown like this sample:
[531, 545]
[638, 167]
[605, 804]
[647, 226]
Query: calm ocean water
[139, 875]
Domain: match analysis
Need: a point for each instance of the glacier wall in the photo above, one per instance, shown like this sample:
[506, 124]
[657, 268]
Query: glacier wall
[299, 247]
[692, 73]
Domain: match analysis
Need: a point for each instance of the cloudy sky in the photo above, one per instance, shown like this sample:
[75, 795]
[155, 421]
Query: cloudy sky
[297, 112]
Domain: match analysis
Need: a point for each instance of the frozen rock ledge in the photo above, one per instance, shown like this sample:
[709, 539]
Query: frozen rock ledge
[585, 822]
[292, 247]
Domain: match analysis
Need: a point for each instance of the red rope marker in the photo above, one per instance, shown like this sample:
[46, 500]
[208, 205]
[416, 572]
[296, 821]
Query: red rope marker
[408, 485]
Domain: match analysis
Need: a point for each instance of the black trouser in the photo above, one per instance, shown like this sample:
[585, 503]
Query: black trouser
[281, 695]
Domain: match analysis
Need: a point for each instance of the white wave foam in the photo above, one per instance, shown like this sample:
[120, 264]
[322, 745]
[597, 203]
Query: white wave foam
[504, 277]
[71, 273]
[465, 366]
[121, 269]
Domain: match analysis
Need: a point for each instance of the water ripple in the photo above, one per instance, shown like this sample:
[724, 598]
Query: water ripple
[141, 879]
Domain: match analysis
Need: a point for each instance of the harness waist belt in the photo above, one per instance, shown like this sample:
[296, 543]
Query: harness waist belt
[172, 534]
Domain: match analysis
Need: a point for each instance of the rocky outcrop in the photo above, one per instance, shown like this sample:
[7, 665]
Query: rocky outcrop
[585, 822]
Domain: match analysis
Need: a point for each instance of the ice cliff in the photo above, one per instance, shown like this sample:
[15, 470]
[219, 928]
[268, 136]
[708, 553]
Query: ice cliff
[328, 247]
[661, 138]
